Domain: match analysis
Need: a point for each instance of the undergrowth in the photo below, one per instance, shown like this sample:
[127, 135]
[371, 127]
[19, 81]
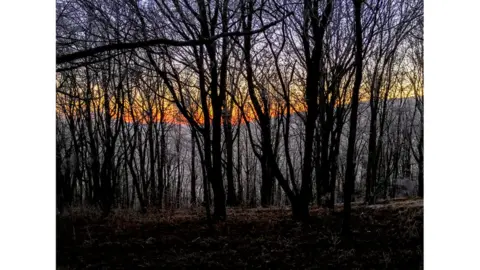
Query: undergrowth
[385, 236]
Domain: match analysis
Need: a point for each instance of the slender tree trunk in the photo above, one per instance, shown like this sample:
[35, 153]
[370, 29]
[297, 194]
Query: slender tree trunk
[151, 145]
[136, 184]
[247, 173]
[420, 165]
[161, 163]
[239, 165]
[227, 127]
[335, 145]
[318, 165]
[372, 156]
[193, 176]
[350, 170]
[179, 165]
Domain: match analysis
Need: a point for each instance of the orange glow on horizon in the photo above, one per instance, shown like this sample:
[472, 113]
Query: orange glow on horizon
[167, 112]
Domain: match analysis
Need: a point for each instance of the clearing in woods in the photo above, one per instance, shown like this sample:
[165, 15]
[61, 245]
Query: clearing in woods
[388, 235]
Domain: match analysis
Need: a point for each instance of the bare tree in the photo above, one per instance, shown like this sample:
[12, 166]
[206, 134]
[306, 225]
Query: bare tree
[349, 175]
[251, 96]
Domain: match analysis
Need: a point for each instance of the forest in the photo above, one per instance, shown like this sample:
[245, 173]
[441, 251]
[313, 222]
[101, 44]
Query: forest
[202, 133]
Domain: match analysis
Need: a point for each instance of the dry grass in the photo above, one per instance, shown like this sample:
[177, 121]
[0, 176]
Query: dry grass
[385, 236]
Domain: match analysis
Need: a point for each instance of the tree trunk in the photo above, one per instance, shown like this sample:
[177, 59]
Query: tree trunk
[300, 209]
[350, 170]
[372, 157]
[193, 176]
[315, 78]
[239, 166]
[227, 126]
[335, 144]
[153, 191]
[420, 165]
[161, 164]
[266, 189]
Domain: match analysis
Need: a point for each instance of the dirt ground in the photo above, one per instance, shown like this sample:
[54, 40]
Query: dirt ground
[385, 236]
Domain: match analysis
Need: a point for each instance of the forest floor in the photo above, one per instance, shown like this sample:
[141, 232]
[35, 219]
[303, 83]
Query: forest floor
[385, 236]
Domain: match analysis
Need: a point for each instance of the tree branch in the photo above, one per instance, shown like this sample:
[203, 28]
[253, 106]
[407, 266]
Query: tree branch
[160, 41]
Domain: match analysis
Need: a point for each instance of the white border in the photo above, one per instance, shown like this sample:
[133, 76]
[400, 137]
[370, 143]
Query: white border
[452, 134]
[27, 134]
